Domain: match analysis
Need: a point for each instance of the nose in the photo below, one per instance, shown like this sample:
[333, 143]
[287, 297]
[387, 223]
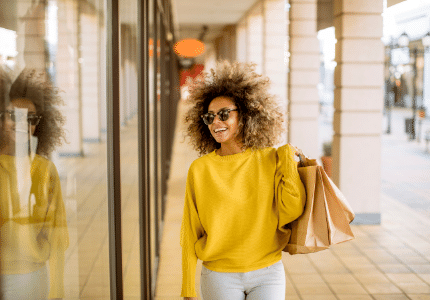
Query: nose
[217, 119]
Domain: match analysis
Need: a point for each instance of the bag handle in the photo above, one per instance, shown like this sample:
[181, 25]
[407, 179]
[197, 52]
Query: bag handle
[299, 153]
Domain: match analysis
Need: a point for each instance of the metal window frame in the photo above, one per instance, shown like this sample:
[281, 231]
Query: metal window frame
[113, 150]
[143, 148]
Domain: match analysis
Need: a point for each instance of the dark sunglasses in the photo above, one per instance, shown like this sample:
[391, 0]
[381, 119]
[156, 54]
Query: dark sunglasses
[31, 119]
[223, 115]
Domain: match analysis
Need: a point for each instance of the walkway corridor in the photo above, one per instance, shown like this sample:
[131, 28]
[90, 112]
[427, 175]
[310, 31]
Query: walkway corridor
[386, 262]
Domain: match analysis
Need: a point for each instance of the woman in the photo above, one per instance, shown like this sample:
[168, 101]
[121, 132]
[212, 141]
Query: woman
[32, 215]
[241, 193]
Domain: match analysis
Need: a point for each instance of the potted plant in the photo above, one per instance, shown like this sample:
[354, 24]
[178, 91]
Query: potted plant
[326, 158]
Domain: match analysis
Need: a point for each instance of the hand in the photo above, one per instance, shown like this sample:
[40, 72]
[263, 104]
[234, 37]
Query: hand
[297, 151]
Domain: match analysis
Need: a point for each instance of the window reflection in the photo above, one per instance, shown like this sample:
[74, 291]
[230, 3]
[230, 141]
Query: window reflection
[33, 226]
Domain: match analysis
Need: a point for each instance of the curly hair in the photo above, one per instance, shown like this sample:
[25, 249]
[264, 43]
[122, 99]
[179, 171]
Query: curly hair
[260, 117]
[35, 86]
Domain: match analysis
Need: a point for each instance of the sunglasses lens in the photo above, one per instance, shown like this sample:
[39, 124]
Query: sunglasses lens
[224, 115]
[208, 118]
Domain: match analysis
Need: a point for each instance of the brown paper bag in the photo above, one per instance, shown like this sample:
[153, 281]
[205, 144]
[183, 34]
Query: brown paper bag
[326, 217]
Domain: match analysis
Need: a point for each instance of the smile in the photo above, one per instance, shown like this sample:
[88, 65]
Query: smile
[220, 129]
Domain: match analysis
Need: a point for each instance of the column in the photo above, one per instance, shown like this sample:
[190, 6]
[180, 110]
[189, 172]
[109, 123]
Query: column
[89, 72]
[241, 43]
[275, 53]
[358, 103]
[303, 107]
[31, 35]
[68, 72]
[254, 47]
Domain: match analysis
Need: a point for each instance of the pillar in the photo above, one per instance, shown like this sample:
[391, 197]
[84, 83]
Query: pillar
[241, 43]
[254, 45]
[358, 103]
[275, 53]
[68, 72]
[89, 72]
[31, 36]
[303, 107]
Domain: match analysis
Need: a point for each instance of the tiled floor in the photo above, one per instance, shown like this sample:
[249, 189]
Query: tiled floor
[390, 261]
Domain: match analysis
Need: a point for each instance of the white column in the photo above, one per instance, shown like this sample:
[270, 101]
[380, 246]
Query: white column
[30, 36]
[255, 37]
[303, 77]
[89, 62]
[241, 37]
[275, 50]
[358, 105]
[68, 75]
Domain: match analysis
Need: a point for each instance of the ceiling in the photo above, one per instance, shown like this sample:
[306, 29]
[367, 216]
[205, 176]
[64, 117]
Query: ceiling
[192, 15]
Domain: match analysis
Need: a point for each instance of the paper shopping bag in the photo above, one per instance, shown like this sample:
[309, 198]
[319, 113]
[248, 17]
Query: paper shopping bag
[326, 217]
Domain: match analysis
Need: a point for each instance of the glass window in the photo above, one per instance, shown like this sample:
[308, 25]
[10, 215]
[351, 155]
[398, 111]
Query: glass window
[54, 209]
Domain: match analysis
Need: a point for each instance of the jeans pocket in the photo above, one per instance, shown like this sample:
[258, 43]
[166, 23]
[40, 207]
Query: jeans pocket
[205, 271]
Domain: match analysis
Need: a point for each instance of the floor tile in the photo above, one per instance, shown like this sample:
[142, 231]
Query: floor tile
[404, 278]
[391, 297]
[354, 297]
[347, 288]
[372, 278]
[419, 297]
[306, 278]
[339, 278]
[318, 297]
[394, 268]
[382, 288]
[421, 269]
[416, 288]
[425, 277]
[313, 289]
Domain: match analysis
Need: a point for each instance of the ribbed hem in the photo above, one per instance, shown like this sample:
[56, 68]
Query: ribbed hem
[231, 157]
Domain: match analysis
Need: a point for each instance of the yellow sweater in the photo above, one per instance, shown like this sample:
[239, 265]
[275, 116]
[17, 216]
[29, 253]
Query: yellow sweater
[33, 223]
[235, 207]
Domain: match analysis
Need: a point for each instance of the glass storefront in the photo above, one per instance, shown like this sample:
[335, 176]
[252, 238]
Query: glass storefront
[56, 208]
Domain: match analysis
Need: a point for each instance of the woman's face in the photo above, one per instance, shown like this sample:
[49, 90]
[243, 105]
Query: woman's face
[224, 132]
[9, 126]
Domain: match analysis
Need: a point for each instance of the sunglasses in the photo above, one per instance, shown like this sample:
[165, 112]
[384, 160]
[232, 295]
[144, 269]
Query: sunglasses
[31, 119]
[223, 115]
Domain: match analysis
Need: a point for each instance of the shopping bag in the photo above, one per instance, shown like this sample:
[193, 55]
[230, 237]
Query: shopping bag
[326, 217]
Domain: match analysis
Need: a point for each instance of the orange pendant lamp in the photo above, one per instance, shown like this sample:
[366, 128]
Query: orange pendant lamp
[189, 48]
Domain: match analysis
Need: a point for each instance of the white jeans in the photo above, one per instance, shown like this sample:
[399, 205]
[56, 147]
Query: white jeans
[30, 286]
[263, 284]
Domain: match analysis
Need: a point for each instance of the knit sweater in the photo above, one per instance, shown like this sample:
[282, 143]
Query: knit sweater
[33, 224]
[235, 209]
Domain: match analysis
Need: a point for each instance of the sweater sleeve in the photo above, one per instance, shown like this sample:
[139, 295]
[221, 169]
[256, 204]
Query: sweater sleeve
[191, 231]
[56, 224]
[290, 192]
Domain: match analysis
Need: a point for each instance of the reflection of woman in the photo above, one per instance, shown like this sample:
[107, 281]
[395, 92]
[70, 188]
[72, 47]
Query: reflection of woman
[32, 214]
[241, 193]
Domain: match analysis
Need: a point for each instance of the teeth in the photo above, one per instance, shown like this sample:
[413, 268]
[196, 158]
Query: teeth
[220, 129]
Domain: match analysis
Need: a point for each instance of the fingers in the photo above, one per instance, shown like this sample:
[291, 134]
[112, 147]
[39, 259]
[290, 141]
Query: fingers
[297, 151]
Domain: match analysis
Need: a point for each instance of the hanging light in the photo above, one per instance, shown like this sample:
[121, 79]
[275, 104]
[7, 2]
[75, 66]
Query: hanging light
[426, 40]
[403, 40]
[189, 48]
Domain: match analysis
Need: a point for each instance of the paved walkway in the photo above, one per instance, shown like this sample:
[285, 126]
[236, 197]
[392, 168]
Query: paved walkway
[390, 261]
